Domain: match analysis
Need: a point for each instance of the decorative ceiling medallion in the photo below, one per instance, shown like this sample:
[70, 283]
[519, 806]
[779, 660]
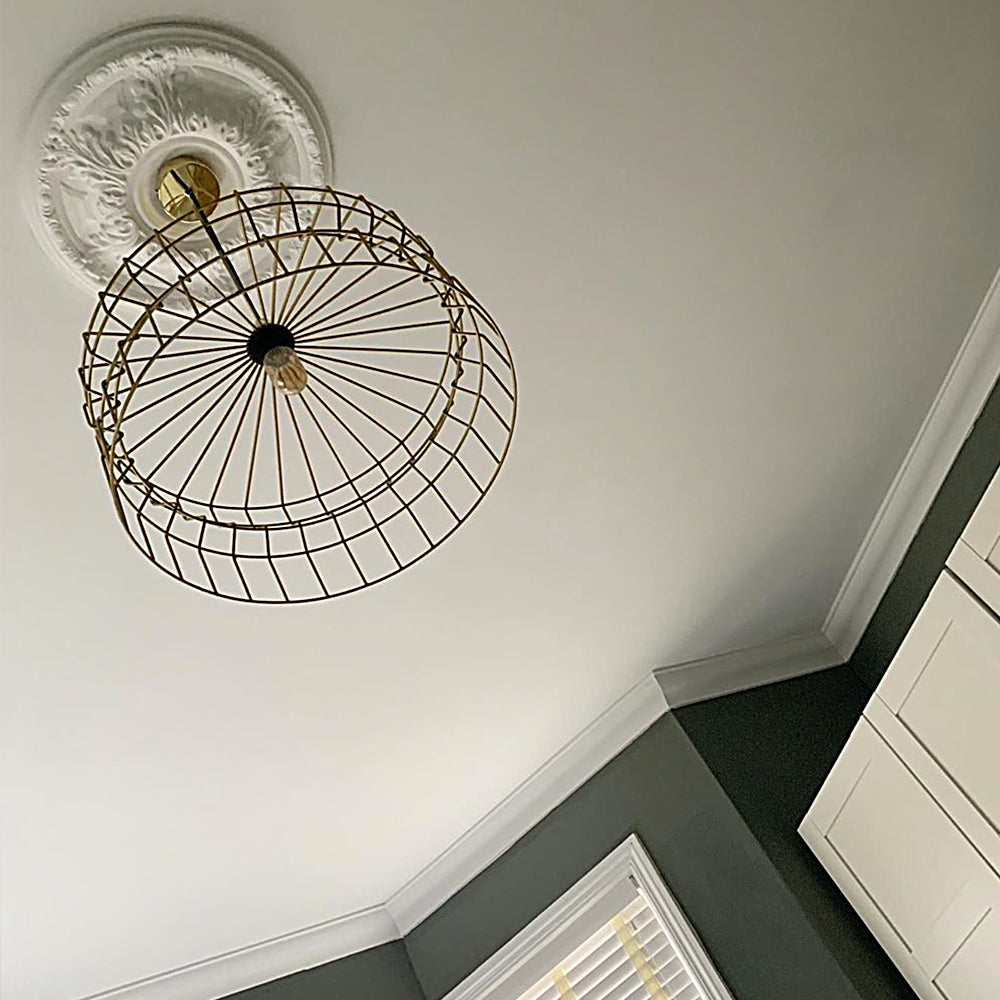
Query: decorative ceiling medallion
[115, 114]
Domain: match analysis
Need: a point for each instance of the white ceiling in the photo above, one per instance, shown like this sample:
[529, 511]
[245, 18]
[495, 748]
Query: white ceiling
[734, 248]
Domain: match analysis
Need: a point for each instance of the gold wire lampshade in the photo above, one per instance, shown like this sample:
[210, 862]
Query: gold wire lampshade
[293, 399]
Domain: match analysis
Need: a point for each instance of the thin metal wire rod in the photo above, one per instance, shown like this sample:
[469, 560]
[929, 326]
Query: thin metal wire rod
[403, 505]
[331, 343]
[263, 241]
[229, 377]
[305, 455]
[310, 352]
[248, 381]
[157, 305]
[180, 441]
[312, 562]
[130, 329]
[302, 327]
[301, 315]
[174, 392]
[277, 448]
[409, 377]
[256, 437]
[334, 265]
[371, 315]
[253, 264]
[354, 487]
[277, 260]
[201, 366]
[400, 441]
[170, 338]
[186, 269]
[273, 568]
[232, 444]
[316, 269]
[302, 253]
[431, 483]
[317, 339]
[133, 356]
[199, 269]
[239, 568]
[368, 388]
[200, 550]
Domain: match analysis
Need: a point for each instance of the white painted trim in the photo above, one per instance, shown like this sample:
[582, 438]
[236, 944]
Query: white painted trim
[670, 914]
[512, 969]
[260, 963]
[532, 800]
[945, 428]
[699, 680]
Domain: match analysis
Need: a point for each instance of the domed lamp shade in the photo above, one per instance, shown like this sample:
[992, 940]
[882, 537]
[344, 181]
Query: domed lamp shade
[292, 398]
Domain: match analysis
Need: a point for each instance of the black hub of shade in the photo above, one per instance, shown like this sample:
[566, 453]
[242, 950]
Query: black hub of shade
[267, 336]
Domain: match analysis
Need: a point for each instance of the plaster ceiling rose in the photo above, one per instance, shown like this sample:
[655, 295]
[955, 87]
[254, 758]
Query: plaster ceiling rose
[109, 120]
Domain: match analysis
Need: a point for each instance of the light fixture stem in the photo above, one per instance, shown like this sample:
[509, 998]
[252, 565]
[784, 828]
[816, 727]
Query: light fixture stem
[224, 257]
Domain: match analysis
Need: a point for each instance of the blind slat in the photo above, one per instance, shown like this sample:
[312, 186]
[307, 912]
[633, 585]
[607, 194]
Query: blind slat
[632, 957]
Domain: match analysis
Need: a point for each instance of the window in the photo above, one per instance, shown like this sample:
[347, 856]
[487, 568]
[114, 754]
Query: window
[618, 934]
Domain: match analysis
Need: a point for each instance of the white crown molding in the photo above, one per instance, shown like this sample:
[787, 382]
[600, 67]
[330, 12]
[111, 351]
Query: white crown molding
[946, 426]
[591, 902]
[553, 782]
[259, 963]
[699, 680]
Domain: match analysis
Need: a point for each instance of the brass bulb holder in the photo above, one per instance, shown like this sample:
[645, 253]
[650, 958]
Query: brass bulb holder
[198, 177]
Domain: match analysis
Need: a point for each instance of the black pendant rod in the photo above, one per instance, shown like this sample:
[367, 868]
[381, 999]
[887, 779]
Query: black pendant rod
[212, 235]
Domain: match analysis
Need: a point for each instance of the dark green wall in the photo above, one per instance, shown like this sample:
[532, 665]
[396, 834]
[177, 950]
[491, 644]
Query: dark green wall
[770, 748]
[970, 474]
[659, 787]
[382, 973]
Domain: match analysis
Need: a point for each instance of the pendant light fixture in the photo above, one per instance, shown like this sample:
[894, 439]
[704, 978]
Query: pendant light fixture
[292, 398]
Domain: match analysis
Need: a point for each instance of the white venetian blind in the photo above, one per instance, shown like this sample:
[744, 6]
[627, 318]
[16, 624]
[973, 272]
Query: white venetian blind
[629, 958]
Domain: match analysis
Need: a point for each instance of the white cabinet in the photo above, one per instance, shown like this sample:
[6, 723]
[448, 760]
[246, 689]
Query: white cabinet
[939, 707]
[908, 821]
[976, 557]
[925, 892]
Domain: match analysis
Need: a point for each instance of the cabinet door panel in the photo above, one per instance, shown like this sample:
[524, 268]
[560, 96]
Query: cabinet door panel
[915, 879]
[944, 686]
[982, 533]
[910, 858]
[976, 557]
[973, 972]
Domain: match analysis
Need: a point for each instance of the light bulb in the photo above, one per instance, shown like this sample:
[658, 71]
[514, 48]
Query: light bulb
[285, 369]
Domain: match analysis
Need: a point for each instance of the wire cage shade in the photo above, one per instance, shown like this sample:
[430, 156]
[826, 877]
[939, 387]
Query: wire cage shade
[390, 428]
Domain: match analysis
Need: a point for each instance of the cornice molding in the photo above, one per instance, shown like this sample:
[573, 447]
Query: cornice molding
[712, 676]
[945, 428]
[533, 799]
[264, 961]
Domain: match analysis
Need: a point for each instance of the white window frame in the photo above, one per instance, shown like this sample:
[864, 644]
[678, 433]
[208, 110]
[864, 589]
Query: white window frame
[579, 913]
